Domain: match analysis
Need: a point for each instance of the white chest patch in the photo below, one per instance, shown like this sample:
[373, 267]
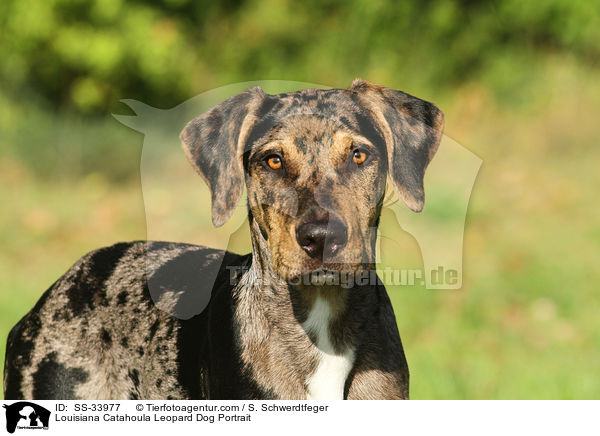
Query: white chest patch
[327, 381]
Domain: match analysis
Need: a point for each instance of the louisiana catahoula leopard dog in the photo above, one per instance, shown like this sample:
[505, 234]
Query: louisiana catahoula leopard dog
[301, 317]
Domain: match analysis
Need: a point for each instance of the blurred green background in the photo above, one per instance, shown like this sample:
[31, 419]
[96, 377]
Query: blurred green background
[518, 82]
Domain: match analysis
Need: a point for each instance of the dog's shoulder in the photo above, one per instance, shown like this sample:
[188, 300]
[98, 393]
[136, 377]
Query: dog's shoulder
[176, 277]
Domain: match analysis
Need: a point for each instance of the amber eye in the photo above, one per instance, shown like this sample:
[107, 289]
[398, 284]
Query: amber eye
[359, 156]
[274, 162]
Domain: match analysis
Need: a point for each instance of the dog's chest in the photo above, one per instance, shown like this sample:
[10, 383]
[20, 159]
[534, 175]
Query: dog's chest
[329, 377]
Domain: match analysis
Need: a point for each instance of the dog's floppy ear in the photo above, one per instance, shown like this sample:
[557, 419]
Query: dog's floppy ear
[214, 144]
[412, 129]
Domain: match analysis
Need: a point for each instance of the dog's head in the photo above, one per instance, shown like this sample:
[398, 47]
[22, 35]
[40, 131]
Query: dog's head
[315, 164]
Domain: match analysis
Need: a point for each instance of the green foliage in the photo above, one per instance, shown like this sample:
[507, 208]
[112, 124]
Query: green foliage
[87, 54]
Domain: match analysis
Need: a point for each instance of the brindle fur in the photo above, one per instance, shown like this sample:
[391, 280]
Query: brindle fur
[127, 321]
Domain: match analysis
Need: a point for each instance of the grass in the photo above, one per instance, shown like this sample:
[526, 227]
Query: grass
[525, 323]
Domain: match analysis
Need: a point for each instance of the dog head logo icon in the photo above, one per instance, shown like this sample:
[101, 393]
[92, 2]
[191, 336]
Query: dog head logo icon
[26, 415]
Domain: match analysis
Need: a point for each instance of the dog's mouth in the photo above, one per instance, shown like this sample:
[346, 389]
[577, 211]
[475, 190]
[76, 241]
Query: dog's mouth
[329, 274]
[321, 276]
[347, 278]
[338, 263]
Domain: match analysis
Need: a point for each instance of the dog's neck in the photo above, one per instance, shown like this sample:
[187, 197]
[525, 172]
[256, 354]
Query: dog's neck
[309, 327]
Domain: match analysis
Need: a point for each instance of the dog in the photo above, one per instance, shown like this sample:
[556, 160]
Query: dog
[123, 322]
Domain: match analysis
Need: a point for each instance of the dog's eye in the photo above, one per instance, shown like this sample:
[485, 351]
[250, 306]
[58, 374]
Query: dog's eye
[359, 156]
[274, 161]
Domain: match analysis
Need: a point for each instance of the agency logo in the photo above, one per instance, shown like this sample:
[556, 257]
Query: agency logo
[26, 416]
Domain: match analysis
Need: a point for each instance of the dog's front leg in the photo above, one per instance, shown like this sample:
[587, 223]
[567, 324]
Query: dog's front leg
[377, 384]
[380, 371]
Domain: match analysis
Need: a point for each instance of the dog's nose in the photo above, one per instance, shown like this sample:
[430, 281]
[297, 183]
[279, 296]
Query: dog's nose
[322, 239]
